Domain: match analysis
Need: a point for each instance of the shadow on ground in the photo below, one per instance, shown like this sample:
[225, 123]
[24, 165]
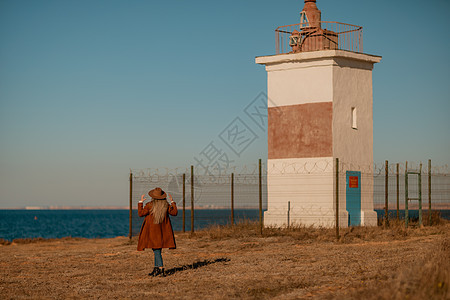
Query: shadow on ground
[195, 265]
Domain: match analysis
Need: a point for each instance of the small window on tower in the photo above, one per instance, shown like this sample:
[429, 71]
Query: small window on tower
[354, 121]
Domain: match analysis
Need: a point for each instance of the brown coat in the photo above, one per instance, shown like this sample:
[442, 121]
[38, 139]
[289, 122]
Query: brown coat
[156, 235]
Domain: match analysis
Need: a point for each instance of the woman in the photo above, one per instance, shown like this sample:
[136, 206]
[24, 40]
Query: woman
[156, 230]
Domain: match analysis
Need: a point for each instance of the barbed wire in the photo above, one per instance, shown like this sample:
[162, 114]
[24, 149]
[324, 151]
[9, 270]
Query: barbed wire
[380, 168]
[281, 168]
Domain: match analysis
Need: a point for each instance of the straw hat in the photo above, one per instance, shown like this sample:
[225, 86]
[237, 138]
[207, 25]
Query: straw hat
[157, 193]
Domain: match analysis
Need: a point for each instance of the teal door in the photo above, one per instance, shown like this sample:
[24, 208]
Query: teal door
[353, 192]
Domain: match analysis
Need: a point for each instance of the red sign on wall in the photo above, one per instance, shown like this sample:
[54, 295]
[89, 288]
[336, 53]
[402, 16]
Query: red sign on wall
[353, 182]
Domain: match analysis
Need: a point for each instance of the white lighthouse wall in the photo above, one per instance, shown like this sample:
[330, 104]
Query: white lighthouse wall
[352, 89]
[345, 79]
[299, 83]
[307, 183]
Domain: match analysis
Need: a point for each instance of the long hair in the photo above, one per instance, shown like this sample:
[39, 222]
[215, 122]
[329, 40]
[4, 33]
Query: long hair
[159, 210]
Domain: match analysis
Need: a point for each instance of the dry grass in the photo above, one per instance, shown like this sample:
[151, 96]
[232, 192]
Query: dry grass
[37, 240]
[427, 278]
[238, 263]
[395, 231]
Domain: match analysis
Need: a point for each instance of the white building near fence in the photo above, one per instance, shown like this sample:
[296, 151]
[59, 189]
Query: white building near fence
[320, 108]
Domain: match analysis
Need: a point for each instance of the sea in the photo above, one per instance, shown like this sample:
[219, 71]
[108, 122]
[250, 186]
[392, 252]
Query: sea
[23, 224]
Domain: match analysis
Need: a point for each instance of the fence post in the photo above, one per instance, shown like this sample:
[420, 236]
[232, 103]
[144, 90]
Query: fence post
[131, 205]
[232, 199]
[398, 192]
[406, 195]
[429, 192]
[192, 199]
[420, 195]
[337, 198]
[386, 195]
[184, 202]
[289, 214]
[260, 199]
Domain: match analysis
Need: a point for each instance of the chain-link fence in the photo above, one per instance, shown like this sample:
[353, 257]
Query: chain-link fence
[396, 182]
[234, 195]
[213, 195]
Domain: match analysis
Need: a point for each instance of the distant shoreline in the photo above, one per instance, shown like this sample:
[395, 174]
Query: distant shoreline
[437, 206]
[31, 208]
[66, 208]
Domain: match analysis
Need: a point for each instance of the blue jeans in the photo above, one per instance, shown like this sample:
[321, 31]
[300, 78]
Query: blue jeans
[158, 257]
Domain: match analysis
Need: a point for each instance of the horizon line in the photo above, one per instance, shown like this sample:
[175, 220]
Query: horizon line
[111, 207]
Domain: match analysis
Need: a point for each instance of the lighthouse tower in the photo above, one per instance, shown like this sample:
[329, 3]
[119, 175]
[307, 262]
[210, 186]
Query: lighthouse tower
[319, 109]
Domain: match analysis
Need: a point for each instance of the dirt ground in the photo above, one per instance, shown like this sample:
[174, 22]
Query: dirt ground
[301, 263]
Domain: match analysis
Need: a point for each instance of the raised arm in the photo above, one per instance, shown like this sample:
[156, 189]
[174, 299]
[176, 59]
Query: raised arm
[173, 211]
[143, 211]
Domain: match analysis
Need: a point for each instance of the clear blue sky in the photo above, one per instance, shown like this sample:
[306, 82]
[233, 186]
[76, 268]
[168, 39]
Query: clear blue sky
[89, 89]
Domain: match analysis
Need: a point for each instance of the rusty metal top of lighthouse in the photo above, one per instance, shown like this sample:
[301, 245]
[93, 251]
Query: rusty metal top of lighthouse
[313, 34]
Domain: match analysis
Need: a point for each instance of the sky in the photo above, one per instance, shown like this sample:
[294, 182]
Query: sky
[92, 89]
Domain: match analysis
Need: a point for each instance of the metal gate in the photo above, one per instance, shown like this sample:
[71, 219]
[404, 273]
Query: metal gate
[419, 198]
